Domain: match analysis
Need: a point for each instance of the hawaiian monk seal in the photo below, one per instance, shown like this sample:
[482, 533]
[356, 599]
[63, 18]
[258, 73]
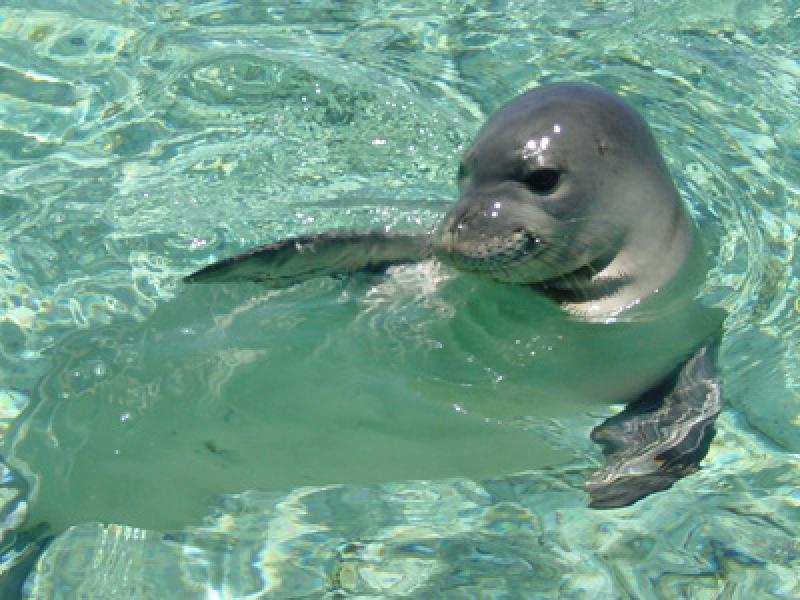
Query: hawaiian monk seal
[564, 191]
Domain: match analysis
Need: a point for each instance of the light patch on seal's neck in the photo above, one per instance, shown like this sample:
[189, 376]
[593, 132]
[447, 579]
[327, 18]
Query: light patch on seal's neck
[593, 292]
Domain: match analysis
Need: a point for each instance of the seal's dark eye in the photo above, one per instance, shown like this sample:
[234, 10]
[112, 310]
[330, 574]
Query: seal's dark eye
[543, 181]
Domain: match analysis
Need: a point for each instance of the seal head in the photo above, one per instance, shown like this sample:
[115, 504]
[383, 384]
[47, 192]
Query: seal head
[565, 188]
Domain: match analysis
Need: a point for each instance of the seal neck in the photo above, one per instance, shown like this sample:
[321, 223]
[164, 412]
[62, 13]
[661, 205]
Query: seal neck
[648, 261]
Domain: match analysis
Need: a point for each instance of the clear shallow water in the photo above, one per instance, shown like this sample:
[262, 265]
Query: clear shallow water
[141, 140]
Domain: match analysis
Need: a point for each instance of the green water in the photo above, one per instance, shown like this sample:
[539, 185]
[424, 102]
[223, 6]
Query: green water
[223, 390]
[142, 140]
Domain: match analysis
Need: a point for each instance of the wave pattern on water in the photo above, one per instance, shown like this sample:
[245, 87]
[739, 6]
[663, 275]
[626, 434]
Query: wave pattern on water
[142, 139]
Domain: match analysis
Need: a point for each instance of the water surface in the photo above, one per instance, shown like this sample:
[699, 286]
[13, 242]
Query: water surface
[141, 140]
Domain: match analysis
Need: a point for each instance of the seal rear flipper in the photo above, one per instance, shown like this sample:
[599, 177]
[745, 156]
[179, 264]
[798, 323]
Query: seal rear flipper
[660, 437]
[297, 259]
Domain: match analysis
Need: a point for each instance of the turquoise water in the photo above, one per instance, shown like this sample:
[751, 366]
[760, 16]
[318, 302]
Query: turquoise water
[373, 437]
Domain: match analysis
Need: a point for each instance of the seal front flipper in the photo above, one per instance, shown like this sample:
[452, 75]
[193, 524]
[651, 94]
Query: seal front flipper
[333, 253]
[660, 437]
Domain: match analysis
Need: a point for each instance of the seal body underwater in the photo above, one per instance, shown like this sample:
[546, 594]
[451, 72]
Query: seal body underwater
[564, 192]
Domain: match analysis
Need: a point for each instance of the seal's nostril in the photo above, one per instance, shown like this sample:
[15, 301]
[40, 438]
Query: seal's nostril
[526, 241]
[532, 242]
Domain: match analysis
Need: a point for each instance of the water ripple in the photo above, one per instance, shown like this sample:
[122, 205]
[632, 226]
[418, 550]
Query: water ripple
[142, 139]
